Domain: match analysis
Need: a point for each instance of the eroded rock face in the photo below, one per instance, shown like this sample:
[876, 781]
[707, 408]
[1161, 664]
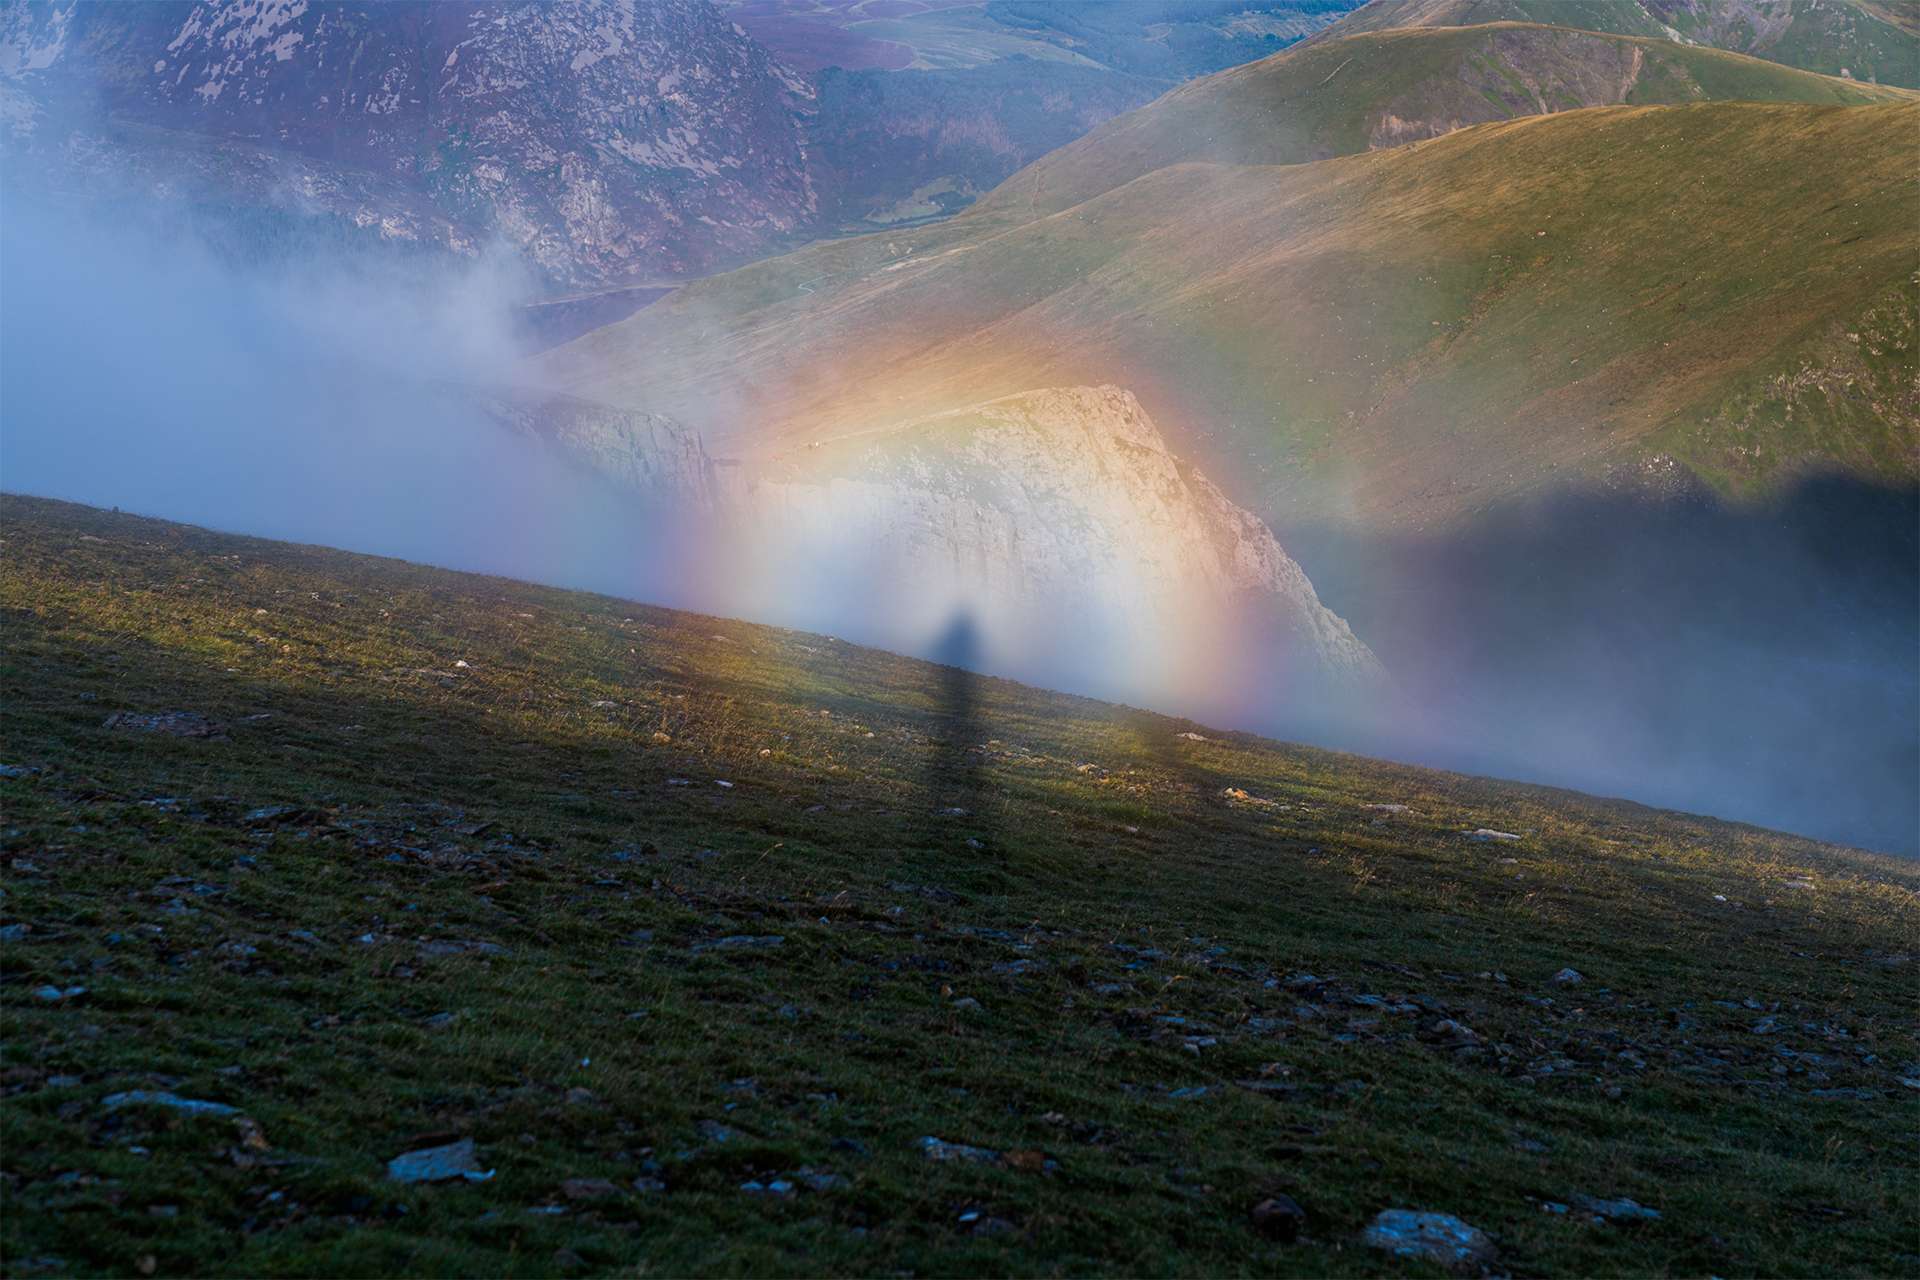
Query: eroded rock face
[1058, 506]
[606, 140]
[1056, 521]
[646, 454]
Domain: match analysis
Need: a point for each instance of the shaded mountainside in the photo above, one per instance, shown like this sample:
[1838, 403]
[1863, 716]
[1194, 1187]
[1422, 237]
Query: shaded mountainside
[1872, 40]
[609, 142]
[1402, 336]
[604, 139]
[733, 949]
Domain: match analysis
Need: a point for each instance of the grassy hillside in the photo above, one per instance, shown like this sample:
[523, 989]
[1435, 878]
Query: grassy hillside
[1338, 97]
[1868, 40]
[1401, 336]
[657, 909]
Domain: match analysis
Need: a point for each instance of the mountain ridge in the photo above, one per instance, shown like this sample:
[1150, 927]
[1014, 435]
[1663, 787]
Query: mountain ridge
[1421, 284]
[1835, 38]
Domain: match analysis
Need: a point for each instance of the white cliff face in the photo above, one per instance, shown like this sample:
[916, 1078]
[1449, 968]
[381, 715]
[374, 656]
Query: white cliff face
[1055, 517]
[1083, 553]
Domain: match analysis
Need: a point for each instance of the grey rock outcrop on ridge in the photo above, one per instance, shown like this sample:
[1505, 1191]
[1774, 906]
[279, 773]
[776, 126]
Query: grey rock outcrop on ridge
[1057, 519]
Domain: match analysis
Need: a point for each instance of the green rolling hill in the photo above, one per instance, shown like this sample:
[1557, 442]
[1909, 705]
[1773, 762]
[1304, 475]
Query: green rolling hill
[1396, 337]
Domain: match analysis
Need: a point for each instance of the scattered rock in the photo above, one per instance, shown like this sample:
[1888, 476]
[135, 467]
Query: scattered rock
[1431, 1237]
[58, 995]
[1485, 834]
[456, 1161]
[1568, 978]
[742, 942]
[588, 1189]
[1622, 1210]
[172, 1101]
[775, 1187]
[935, 1149]
[175, 724]
[1279, 1218]
[1385, 808]
[1193, 737]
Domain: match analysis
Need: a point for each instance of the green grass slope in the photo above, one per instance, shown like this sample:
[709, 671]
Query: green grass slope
[453, 860]
[1338, 97]
[1867, 40]
[1401, 336]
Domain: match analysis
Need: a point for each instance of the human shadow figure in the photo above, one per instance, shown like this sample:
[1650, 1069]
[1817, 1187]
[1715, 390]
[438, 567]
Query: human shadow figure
[954, 782]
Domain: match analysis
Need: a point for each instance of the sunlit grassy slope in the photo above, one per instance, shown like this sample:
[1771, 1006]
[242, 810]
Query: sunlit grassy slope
[1400, 336]
[1866, 39]
[459, 863]
[1336, 97]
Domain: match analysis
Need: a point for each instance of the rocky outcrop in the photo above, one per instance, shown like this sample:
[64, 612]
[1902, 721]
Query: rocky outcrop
[1058, 504]
[1057, 521]
[645, 454]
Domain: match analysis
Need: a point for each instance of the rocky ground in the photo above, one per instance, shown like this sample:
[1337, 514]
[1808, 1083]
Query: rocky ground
[363, 918]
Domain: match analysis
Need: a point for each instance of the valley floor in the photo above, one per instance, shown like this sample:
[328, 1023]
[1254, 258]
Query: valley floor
[737, 950]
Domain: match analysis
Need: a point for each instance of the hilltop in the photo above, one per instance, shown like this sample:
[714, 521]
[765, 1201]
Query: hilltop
[1335, 97]
[1874, 40]
[737, 949]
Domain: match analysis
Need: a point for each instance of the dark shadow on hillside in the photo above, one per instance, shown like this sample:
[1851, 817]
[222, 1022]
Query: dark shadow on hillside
[955, 788]
[1160, 743]
[1756, 662]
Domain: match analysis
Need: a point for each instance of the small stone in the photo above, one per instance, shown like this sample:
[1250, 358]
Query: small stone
[936, 1149]
[588, 1189]
[1568, 978]
[742, 942]
[1439, 1238]
[175, 724]
[1622, 1210]
[1279, 1218]
[174, 1102]
[454, 1161]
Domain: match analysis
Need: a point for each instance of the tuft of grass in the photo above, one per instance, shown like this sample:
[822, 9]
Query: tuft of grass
[483, 905]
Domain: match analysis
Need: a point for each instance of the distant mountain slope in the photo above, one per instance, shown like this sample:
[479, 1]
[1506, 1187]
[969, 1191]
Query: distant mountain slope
[1399, 336]
[1875, 40]
[1335, 97]
[609, 142]
[605, 139]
